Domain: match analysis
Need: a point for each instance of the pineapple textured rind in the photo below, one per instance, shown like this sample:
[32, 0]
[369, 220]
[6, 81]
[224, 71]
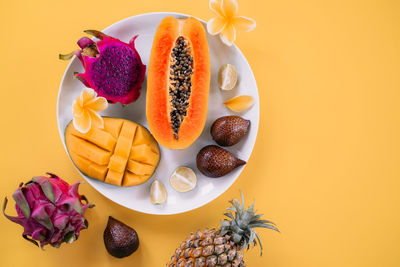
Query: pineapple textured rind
[222, 247]
[207, 248]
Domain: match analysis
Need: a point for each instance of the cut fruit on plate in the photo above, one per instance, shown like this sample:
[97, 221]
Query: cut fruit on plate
[158, 194]
[113, 68]
[137, 197]
[183, 179]
[227, 77]
[240, 103]
[178, 82]
[123, 153]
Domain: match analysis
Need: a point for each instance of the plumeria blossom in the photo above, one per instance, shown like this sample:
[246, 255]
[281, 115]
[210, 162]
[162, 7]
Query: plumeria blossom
[228, 21]
[85, 110]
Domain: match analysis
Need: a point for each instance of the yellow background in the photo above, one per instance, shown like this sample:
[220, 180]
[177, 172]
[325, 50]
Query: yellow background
[325, 166]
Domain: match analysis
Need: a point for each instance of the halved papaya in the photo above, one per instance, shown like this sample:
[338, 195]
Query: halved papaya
[178, 82]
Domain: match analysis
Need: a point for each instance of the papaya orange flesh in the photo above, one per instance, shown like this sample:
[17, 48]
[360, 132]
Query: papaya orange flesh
[171, 73]
[124, 153]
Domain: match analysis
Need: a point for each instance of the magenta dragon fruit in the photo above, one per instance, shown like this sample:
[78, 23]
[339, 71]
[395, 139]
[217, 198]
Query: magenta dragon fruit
[113, 68]
[50, 210]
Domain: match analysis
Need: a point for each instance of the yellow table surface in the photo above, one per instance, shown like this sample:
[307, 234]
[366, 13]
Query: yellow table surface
[325, 167]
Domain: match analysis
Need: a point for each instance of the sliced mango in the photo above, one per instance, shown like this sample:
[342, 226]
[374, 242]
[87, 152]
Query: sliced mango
[128, 130]
[114, 177]
[122, 149]
[113, 126]
[117, 163]
[131, 179]
[97, 171]
[143, 136]
[90, 168]
[139, 168]
[144, 154]
[124, 153]
[89, 150]
[98, 137]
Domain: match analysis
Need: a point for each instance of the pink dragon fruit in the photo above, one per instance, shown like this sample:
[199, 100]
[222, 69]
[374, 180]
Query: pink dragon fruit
[113, 68]
[50, 210]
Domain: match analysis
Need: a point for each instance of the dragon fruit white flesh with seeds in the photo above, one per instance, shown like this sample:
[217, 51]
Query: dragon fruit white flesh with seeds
[50, 210]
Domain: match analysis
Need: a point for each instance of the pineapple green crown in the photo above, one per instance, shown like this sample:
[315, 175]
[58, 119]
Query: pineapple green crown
[241, 224]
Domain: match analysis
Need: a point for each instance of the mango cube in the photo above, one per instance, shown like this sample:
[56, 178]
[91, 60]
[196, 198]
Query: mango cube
[131, 179]
[89, 150]
[139, 168]
[114, 177]
[144, 154]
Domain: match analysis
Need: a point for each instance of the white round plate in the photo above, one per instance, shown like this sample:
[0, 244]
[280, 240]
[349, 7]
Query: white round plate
[137, 197]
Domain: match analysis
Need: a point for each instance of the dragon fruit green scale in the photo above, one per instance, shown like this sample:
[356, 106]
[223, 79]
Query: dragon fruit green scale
[113, 68]
[50, 210]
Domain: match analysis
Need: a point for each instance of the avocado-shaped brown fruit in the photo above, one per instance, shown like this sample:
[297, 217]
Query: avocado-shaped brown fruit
[214, 161]
[120, 239]
[229, 130]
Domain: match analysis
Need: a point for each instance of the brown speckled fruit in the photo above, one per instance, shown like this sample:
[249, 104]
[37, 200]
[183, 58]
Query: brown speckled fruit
[214, 161]
[120, 239]
[229, 130]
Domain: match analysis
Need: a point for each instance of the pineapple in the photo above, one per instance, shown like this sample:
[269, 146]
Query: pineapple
[223, 246]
